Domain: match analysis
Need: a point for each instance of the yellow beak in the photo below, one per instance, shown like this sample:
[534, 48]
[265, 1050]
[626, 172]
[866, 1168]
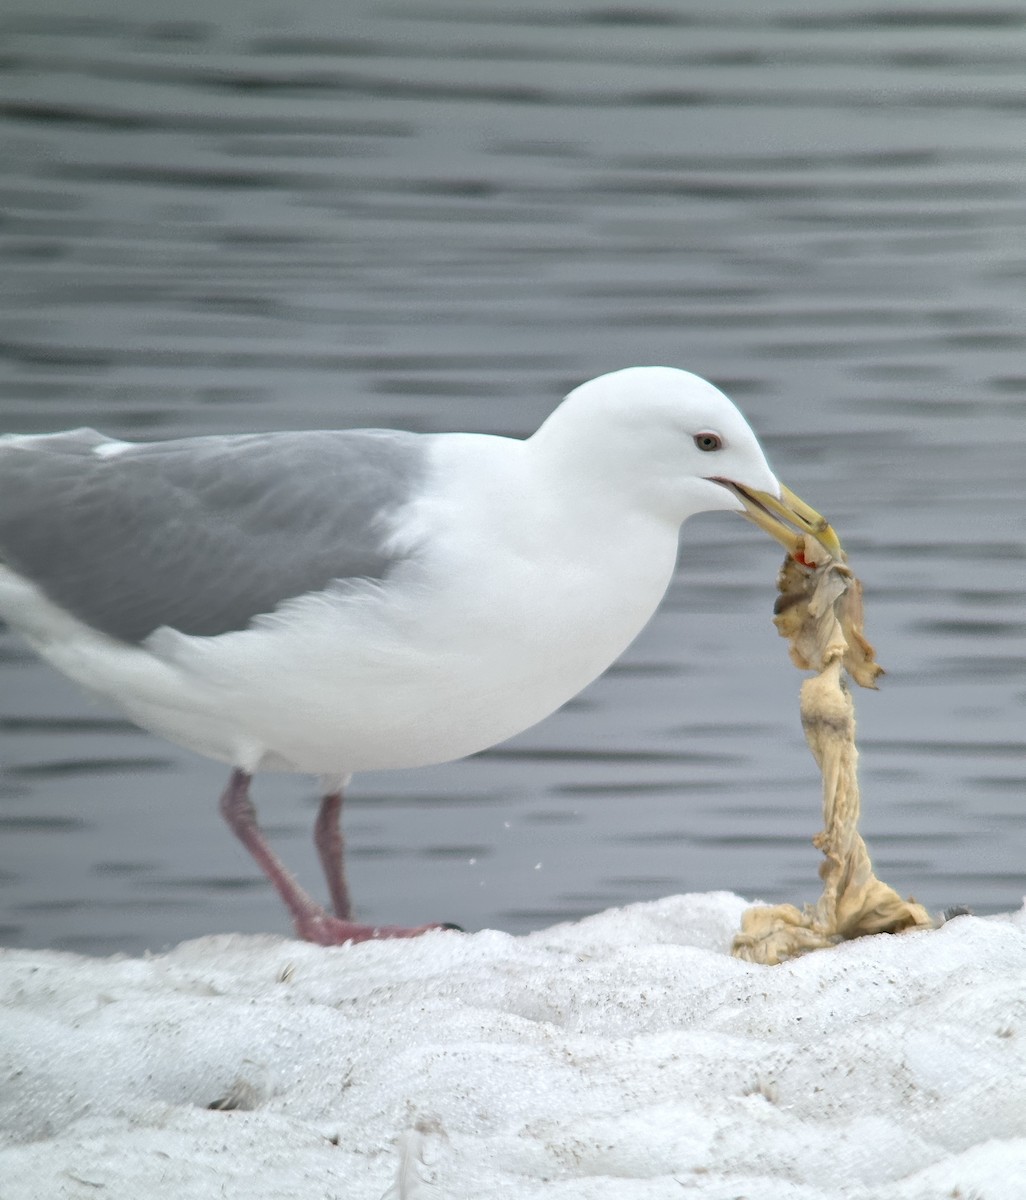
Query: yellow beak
[787, 519]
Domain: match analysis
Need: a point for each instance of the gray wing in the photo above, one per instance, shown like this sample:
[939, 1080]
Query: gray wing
[205, 533]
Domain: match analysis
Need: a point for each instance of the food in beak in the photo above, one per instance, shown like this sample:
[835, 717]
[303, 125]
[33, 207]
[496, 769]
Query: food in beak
[790, 520]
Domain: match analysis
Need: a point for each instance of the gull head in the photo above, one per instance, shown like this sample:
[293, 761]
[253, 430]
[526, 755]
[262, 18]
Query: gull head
[670, 442]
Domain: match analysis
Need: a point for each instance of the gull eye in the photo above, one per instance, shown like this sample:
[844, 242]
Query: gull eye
[708, 441]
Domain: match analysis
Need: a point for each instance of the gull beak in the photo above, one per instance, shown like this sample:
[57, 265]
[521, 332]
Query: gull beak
[788, 519]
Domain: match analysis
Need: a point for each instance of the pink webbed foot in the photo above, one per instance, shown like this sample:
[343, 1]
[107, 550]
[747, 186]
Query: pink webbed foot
[312, 923]
[324, 929]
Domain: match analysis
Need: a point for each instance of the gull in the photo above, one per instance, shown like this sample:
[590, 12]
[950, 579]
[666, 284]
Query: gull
[338, 601]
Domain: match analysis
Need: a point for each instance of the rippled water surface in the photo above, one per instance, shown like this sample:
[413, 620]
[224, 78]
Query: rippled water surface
[443, 214]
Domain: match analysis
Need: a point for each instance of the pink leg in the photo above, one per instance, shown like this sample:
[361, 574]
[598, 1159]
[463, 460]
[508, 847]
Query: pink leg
[331, 846]
[311, 921]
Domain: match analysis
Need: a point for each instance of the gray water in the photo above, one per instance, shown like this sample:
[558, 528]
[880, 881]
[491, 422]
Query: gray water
[442, 214]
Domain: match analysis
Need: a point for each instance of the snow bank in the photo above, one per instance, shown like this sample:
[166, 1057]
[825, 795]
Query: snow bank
[627, 1057]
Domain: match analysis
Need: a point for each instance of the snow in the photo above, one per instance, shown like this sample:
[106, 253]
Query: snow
[627, 1056]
